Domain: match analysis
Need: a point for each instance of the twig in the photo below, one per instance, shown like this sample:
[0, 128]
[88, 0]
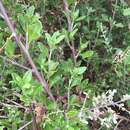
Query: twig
[121, 119]
[16, 63]
[16, 94]
[2, 48]
[83, 106]
[3, 117]
[26, 53]
[109, 104]
[116, 127]
[70, 29]
[21, 128]
[19, 65]
[67, 11]
[9, 105]
[21, 106]
[27, 45]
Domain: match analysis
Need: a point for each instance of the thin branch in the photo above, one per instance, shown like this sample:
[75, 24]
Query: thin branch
[83, 106]
[26, 53]
[19, 65]
[116, 127]
[109, 104]
[17, 104]
[10, 105]
[3, 117]
[16, 63]
[122, 118]
[70, 29]
[67, 11]
[24, 126]
[27, 45]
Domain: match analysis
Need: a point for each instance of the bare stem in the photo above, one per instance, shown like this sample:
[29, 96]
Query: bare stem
[70, 29]
[25, 52]
[67, 11]
[10, 105]
[15, 63]
[17, 104]
[24, 126]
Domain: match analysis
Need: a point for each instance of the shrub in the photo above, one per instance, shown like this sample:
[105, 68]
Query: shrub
[62, 63]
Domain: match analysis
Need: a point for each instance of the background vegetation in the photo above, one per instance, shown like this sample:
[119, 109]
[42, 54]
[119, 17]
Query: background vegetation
[64, 64]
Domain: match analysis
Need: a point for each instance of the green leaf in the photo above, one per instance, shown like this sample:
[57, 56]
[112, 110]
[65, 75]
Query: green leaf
[51, 105]
[72, 113]
[59, 39]
[75, 15]
[42, 62]
[10, 47]
[55, 35]
[30, 11]
[22, 21]
[71, 2]
[34, 30]
[126, 12]
[83, 45]
[71, 36]
[127, 60]
[50, 41]
[26, 99]
[2, 127]
[26, 86]
[119, 25]
[27, 77]
[16, 77]
[79, 70]
[73, 100]
[55, 79]
[38, 90]
[105, 18]
[30, 23]
[43, 50]
[48, 37]
[80, 18]
[66, 34]
[70, 128]
[64, 66]
[52, 67]
[76, 80]
[87, 54]
[56, 38]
